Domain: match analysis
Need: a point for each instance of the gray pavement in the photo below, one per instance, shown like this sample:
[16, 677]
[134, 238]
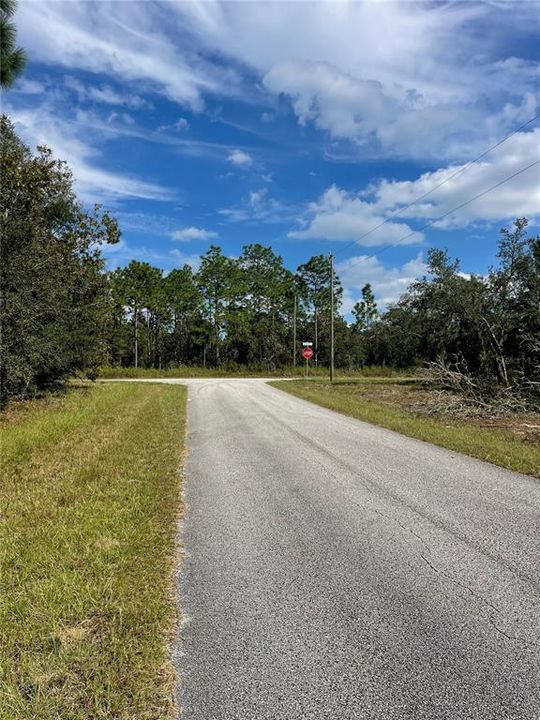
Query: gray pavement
[337, 570]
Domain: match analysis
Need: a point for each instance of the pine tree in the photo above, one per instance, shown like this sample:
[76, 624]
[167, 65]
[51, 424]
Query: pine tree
[12, 58]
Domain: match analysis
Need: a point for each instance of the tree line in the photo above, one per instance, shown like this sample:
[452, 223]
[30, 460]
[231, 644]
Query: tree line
[63, 312]
[242, 311]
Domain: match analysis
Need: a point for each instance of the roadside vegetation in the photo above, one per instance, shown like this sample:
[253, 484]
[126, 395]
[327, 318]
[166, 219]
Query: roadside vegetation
[64, 313]
[90, 497]
[235, 370]
[410, 407]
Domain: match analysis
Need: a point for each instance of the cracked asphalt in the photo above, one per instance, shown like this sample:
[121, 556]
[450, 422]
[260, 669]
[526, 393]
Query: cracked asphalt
[338, 570]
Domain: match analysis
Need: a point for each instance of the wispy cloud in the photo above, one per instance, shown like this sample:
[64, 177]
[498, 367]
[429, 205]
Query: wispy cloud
[94, 183]
[193, 233]
[459, 184]
[416, 97]
[139, 43]
[105, 94]
[124, 252]
[179, 125]
[28, 87]
[259, 207]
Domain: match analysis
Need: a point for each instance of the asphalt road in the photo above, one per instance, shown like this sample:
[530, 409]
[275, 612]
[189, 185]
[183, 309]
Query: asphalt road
[337, 570]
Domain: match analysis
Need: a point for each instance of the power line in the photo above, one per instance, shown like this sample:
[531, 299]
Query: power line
[459, 171]
[364, 258]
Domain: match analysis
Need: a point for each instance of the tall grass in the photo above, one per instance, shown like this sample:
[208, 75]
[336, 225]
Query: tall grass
[235, 370]
[90, 497]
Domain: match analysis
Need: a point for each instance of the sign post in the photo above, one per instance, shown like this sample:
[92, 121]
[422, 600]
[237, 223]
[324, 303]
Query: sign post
[307, 354]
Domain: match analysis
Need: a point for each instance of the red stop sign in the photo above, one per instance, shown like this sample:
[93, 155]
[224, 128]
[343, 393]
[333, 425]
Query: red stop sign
[307, 352]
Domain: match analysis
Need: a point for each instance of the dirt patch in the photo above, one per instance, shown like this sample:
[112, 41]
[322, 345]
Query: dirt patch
[71, 635]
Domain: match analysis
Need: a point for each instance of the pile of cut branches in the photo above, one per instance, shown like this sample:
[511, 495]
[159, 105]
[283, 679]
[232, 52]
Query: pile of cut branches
[457, 391]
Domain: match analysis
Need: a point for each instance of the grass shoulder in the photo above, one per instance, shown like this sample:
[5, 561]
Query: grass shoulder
[91, 495]
[403, 406]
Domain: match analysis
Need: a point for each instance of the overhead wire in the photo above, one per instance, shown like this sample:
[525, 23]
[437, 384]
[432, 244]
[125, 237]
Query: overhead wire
[400, 240]
[455, 174]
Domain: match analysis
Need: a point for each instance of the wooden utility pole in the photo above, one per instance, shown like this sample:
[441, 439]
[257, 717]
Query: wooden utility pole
[294, 333]
[136, 321]
[331, 318]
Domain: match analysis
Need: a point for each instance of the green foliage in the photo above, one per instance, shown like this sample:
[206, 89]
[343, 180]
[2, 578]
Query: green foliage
[314, 286]
[62, 313]
[12, 58]
[55, 302]
[232, 312]
[185, 305]
[486, 329]
[219, 282]
[365, 310]
[239, 312]
[139, 292]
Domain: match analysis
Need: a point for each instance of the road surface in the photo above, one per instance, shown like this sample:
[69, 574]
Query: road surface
[337, 570]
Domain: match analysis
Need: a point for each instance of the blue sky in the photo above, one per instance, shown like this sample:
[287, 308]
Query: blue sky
[299, 125]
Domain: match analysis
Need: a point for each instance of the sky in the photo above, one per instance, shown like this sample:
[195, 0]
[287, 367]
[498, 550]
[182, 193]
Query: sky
[310, 127]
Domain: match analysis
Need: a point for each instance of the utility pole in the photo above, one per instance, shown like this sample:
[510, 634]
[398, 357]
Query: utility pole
[136, 319]
[331, 318]
[294, 332]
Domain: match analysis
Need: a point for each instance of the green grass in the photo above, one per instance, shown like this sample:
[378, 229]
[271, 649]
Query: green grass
[90, 496]
[233, 370]
[494, 445]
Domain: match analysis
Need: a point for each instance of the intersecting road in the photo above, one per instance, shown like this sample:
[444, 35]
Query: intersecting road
[337, 570]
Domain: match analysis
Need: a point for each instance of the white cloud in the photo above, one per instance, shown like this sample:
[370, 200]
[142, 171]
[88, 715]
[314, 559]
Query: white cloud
[108, 96]
[147, 223]
[256, 197]
[379, 214]
[519, 196]
[181, 124]
[339, 215]
[414, 96]
[69, 142]
[380, 120]
[140, 43]
[193, 233]
[388, 283]
[122, 253]
[105, 94]
[345, 106]
[442, 87]
[259, 207]
[182, 258]
[122, 117]
[28, 87]
[240, 158]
